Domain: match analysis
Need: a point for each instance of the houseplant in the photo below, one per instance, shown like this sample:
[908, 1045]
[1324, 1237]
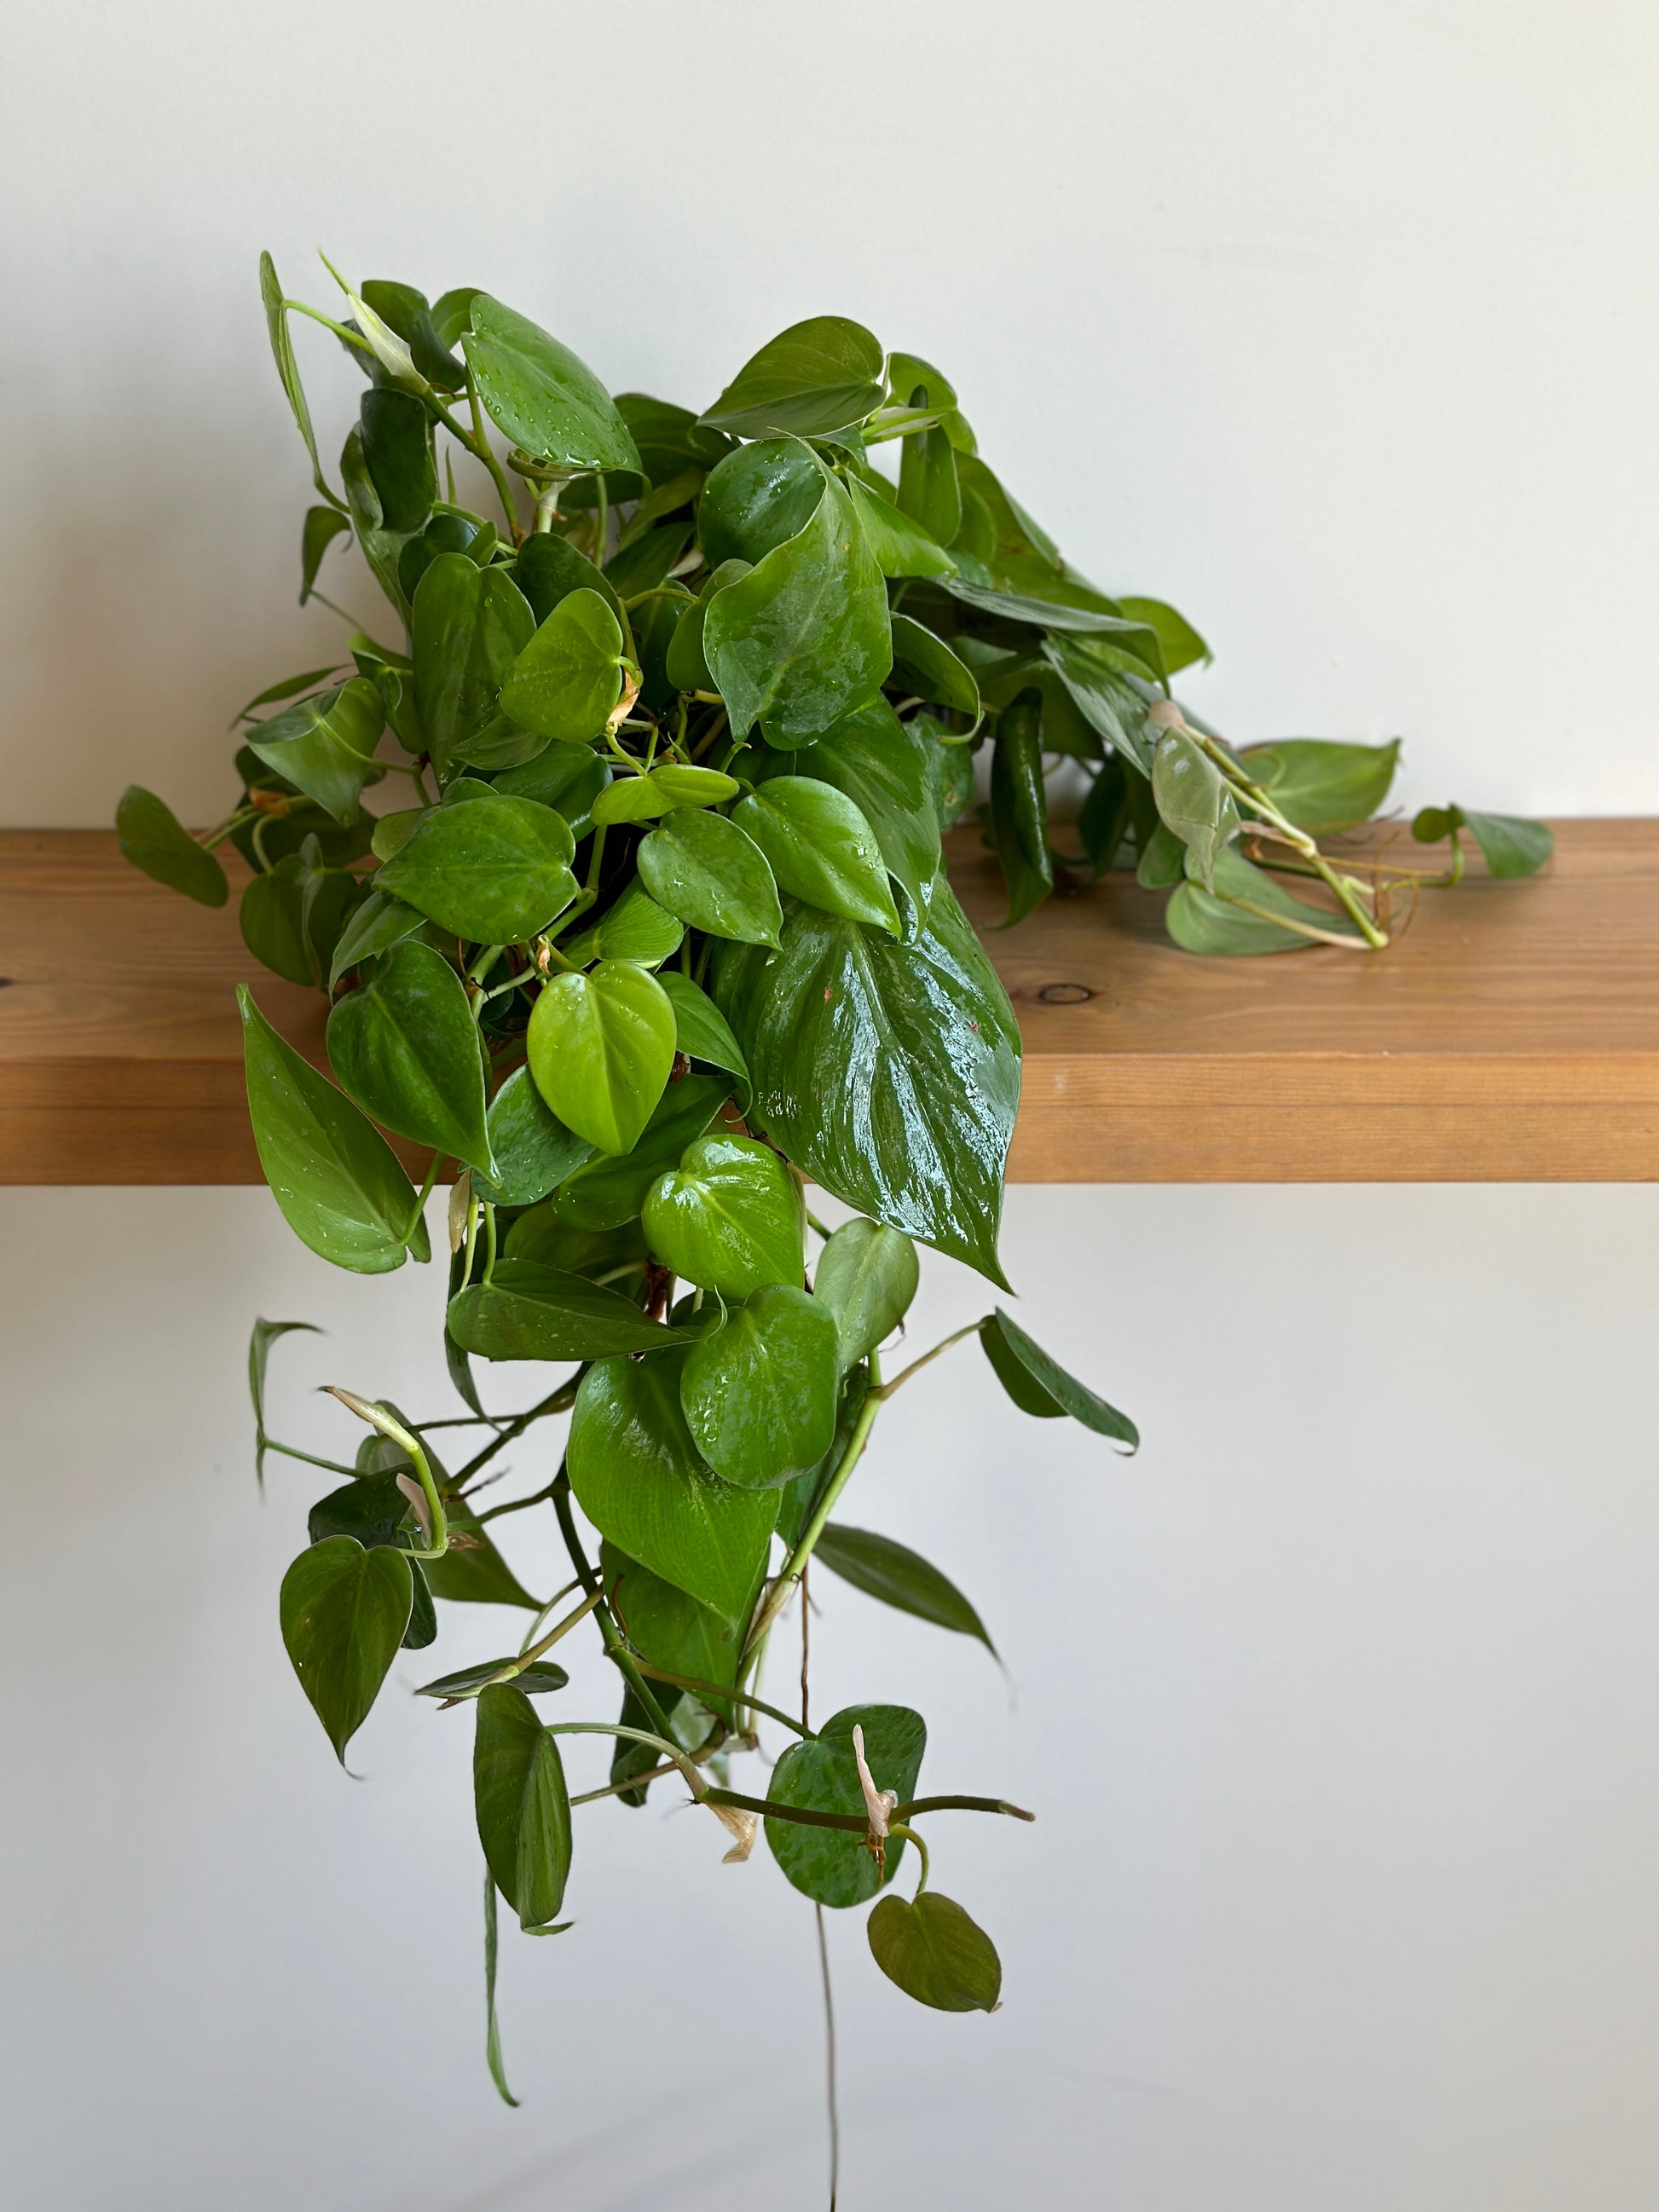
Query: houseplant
[659, 935]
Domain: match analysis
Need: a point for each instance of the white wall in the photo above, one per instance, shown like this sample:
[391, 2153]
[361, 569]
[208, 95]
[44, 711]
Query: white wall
[1337, 326]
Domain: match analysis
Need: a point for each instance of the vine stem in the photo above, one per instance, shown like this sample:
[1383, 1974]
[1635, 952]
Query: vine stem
[795, 1566]
[557, 1401]
[830, 2098]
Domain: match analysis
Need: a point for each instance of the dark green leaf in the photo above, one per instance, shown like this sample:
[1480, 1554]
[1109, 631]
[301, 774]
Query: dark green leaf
[701, 1031]
[374, 926]
[294, 917]
[760, 1392]
[888, 1072]
[406, 1047]
[566, 777]
[153, 839]
[382, 547]
[325, 745]
[867, 1276]
[830, 1865]
[639, 1480]
[815, 377]
[472, 1571]
[531, 1312]
[545, 399]
[397, 453]
[899, 1578]
[1014, 1356]
[522, 1804]
[1320, 785]
[729, 1218]
[405, 312]
[492, 2030]
[936, 1953]
[759, 496]
[601, 1049]
[608, 1191]
[673, 1631]
[452, 314]
[337, 1180]
[901, 546]
[881, 767]
[535, 1680]
[370, 1509]
[322, 524]
[493, 871]
[549, 569]
[533, 1149]
[711, 874]
[644, 565]
[1134, 639]
[929, 488]
[924, 663]
[669, 438]
[344, 1613]
[569, 677]
[1104, 694]
[469, 626]
[1020, 808]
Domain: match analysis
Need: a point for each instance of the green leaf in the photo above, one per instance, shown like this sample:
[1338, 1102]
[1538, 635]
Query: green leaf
[601, 1048]
[815, 377]
[526, 1311]
[831, 1865]
[1320, 785]
[451, 315]
[664, 791]
[820, 849]
[344, 1613]
[537, 1680]
[396, 433]
[1020, 1363]
[404, 312]
[322, 524]
[936, 1953]
[152, 837]
[568, 677]
[758, 497]
[540, 1235]
[1193, 800]
[867, 1276]
[522, 1804]
[492, 2030]
[684, 667]
[1509, 844]
[406, 1047]
[549, 569]
[475, 1574]
[493, 871]
[673, 1631]
[325, 745]
[383, 549]
[900, 545]
[1103, 694]
[371, 927]
[924, 663]
[899, 1578]
[760, 1392]
[669, 438]
[337, 1180]
[804, 637]
[701, 1031]
[369, 1507]
[282, 347]
[1178, 641]
[881, 767]
[566, 777]
[265, 1334]
[469, 626]
[294, 917]
[546, 400]
[634, 928]
[1020, 808]
[729, 1218]
[929, 488]
[533, 1149]
[888, 1072]
[608, 1191]
[1218, 924]
[1136, 641]
[639, 1480]
[709, 871]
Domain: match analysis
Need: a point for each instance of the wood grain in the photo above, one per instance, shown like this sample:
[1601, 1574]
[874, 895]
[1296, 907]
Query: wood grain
[1512, 1034]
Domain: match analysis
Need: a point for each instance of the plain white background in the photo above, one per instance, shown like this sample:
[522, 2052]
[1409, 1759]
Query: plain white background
[1336, 324]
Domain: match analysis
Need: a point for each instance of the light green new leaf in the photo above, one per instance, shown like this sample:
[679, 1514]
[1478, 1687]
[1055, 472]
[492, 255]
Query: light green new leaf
[1194, 801]
[730, 1218]
[709, 871]
[405, 1046]
[528, 1311]
[804, 637]
[815, 377]
[935, 1953]
[831, 1865]
[600, 1047]
[338, 1182]
[547, 401]
[153, 838]
[899, 1578]
[640, 1480]
[522, 1804]
[634, 928]
[665, 790]
[469, 626]
[344, 1613]
[568, 677]
[325, 745]
[760, 1392]
[866, 1275]
[701, 1031]
[494, 871]
[1320, 785]
[821, 849]
[1019, 1363]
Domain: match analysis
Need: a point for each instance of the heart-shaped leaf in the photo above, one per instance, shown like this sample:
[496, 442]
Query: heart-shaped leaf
[546, 400]
[1319, 785]
[600, 1047]
[866, 1276]
[325, 745]
[1193, 800]
[710, 873]
[569, 677]
[293, 917]
[396, 433]
[469, 626]
[567, 777]
[405, 1046]
[549, 569]
[494, 871]
[729, 1218]
[371, 927]
[815, 377]
[759, 496]
[760, 1392]
[153, 838]
[881, 765]
[344, 1612]
[527, 1311]
[831, 1865]
[1040, 1385]
[640, 1480]
[522, 1803]
[936, 1953]
[634, 928]
[821, 849]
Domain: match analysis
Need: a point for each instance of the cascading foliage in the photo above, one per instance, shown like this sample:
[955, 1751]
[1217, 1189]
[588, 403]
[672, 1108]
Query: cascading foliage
[661, 935]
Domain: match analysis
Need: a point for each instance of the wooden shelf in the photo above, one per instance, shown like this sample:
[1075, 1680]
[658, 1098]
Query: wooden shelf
[1512, 1035]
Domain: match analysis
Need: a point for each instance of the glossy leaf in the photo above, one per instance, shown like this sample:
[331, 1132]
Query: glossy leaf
[804, 637]
[899, 1578]
[468, 625]
[831, 1865]
[867, 1276]
[924, 663]
[701, 1031]
[566, 777]
[820, 849]
[634, 928]
[815, 377]
[371, 927]
[929, 488]
[935, 1953]
[638, 1478]
[153, 838]
[1320, 785]
[382, 547]
[534, 1151]
[1105, 696]
[669, 438]
[758, 497]
[405, 312]
[1194, 801]
[600, 1048]
[537, 1680]
[396, 433]
[569, 677]
[549, 569]
[609, 1191]
[325, 745]
[1020, 808]
[1040, 1385]
[343, 1612]
[710, 873]
[760, 1392]
[729, 1218]
[339, 1184]
[900, 545]
[522, 1804]
[527, 1311]
[405, 1046]
[888, 1072]
[473, 1572]
[493, 871]
[670, 1629]
[293, 917]
[881, 766]
[547, 401]
[665, 790]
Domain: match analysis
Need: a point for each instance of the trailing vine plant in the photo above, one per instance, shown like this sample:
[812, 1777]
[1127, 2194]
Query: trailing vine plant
[660, 936]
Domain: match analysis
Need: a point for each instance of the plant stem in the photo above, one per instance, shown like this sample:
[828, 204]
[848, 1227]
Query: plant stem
[720, 1690]
[795, 1566]
[829, 2058]
[910, 1836]
[557, 1401]
[479, 446]
[1345, 889]
[351, 338]
[423, 1194]
[293, 1451]
[615, 1649]
[916, 1367]
[559, 1629]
